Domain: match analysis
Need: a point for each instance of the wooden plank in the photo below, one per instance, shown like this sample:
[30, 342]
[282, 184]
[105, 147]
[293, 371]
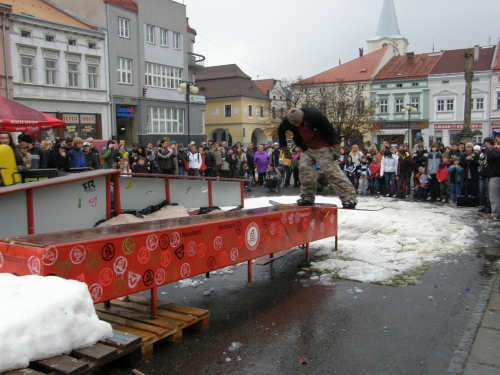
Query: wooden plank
[123, 340]
[110, 318]
[135, 315]
[97, 353]
[63, 363]
[187, 319]
[186, 310]
[146, 336]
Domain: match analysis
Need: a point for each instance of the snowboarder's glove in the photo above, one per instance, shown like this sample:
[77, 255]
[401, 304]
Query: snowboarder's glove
[336, 152]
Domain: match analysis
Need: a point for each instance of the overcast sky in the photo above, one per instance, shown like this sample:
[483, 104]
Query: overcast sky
[289, 38]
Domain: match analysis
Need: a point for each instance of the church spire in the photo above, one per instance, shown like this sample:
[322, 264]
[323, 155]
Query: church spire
[388, 23]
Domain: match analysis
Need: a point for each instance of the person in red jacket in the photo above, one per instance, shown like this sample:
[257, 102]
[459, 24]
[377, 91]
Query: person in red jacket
[442, 177]
[375, 175]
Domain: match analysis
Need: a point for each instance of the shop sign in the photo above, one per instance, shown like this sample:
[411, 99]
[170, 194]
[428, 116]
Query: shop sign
[71, 118]
[404, 125]
[456, 126]
[125, 112]
[88, 129]
[71, 129]
[198, 99]
[87, 119]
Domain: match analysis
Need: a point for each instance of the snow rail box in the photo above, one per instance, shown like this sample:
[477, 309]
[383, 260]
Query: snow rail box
[120, 260]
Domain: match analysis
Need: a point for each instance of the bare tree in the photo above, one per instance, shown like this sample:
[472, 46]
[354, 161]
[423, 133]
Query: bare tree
[348, 109]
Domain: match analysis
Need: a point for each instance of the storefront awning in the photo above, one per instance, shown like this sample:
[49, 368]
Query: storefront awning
[393, 132]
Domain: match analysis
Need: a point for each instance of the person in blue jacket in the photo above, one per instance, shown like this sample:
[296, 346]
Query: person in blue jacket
[76, 155]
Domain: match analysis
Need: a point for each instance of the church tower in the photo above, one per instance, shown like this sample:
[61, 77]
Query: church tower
[388, 32]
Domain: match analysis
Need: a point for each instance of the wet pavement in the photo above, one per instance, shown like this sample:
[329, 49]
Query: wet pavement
[339, 326]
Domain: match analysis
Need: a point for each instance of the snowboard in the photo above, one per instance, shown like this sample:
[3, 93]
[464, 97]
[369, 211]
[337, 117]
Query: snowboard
[274, 203]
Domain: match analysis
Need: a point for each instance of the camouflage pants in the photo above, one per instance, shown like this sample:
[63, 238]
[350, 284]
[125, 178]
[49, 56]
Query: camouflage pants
[444, 188]
[330, 168]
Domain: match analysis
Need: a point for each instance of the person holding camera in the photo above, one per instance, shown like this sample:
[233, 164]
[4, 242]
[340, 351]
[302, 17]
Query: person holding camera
[110, 157]
[273, 179]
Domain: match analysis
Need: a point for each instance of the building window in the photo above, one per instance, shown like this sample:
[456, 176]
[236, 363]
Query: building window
[449, 104]
[227, 110]
[123, 27]
[124, 70]
[475, 79]
[177, 41]
[361, 106]
[164, 37]
[383, 106]
[479, 103]
[73, 74]
[50, 72]
[440, 105]
[414, 84]
[163, 76]
[445, 82]
[71, 42]
[166, 121]
[399, 85]
[414, 103]
[92, 76]
[27, 69]
[250, 111]
[49, 38]
[25, 34]
[399, 105]
[150, 34]
[498, 100]
[92, 45]
[383, 86]
[261, 112]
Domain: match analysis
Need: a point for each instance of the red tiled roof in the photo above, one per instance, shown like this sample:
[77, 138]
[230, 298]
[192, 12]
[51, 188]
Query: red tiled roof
[454, 62]
[264, 85]
[189, 28]
[127, 4]
[496, 64]
[402, 66]
[360, 69]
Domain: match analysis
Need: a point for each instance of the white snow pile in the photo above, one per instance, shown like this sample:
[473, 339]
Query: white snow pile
[377, 246]
[42, 317]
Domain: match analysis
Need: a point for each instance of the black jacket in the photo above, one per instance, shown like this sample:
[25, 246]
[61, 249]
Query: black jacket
[92, 160]
[314, 119]
[470, 166]
[493, 158]
[420, 160]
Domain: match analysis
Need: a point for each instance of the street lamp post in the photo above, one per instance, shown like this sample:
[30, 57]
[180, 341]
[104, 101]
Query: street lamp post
[410, 109]
[187, 88]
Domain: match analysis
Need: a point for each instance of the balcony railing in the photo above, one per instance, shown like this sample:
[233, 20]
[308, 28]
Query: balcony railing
[195, 59]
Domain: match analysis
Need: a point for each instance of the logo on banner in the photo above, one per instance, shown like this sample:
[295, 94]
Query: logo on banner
[133, 279]
[49, 257]
[152, 242]
[252, 236]
[77, 254]
[160, 276]
[34, 265]
[95, 291]
[120, 265]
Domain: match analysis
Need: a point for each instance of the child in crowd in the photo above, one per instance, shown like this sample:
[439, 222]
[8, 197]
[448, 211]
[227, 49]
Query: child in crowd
[363, 171]
[375, 175]
[433, 161]
[140, 166]
[421, 184]
[442, 177]
[455, 178]
[125, 167]
[350, 169]
[281, 167]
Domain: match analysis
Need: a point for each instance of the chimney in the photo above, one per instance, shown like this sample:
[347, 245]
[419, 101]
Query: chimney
[476, 53]
[360, 52]
[410, 57]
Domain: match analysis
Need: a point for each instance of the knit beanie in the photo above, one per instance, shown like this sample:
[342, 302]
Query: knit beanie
[470, 144]
[295, 116]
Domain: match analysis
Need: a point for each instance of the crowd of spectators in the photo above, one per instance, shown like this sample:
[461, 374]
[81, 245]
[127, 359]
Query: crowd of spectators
[439, 173]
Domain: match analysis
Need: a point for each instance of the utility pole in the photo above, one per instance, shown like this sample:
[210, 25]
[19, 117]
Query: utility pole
[466, 134]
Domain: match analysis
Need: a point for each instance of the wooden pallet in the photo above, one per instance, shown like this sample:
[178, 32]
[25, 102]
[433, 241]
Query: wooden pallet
[121, 349]
[134, 317]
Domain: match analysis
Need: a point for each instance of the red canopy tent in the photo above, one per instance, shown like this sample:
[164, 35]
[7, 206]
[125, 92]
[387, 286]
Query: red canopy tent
[15, 117]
